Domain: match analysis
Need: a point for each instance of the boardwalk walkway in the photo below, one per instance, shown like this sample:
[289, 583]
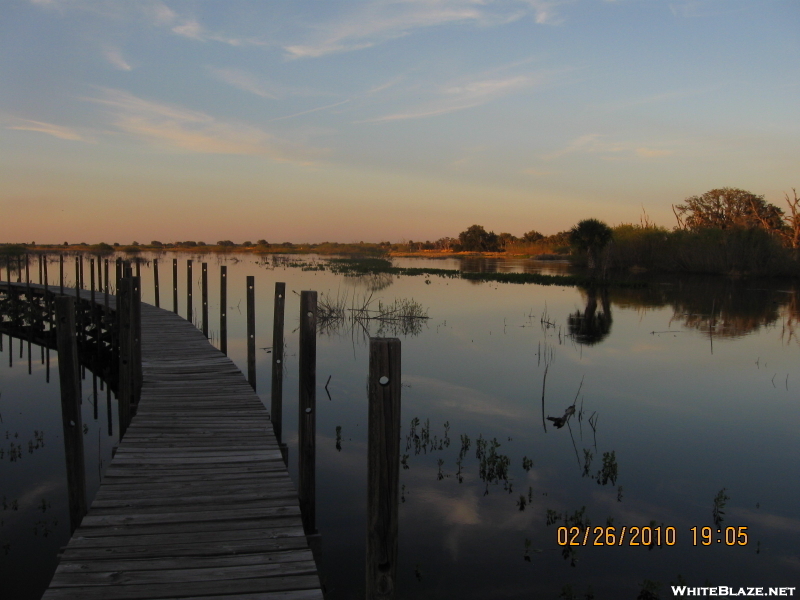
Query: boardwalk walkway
[197, 502]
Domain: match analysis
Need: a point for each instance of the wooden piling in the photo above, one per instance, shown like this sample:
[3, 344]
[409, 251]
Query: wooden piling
[276, 402]
[124, 386]
[136, 341]
[80, 263]
[251, 331]
[69, 376]
[61, 272]
[189, 290]
[155, 277]
[307, 421]
[41, 270]
[19, 268]
[383, 467]
[204, 290]
[175, 285]
[223, 309]
[138, 267]
[91, 280]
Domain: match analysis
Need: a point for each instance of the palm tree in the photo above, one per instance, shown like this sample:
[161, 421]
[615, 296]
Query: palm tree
[590, 236]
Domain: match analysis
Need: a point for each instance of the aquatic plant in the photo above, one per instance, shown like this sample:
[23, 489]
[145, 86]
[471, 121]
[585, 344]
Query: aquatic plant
[717, 512]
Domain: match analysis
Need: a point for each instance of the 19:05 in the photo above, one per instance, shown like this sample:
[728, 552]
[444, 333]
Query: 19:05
[733, 536]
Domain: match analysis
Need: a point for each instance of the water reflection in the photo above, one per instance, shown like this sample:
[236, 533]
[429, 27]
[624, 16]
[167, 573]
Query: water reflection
[590, 326]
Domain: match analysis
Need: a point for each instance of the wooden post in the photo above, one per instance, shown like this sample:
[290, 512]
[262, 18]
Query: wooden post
[41, 271]
[155, 277]
[307, 421]
[223, 309]
[61, 271]
[69, 376]
[118, 267]
[77, 277]
[124, 387]
[136, 341]
[175, 285]
[91, 280]
[204, 269]
[189, 290]
[19, 268]
[99, 274]
[80, 262]
[383, 467]
[276, 402]
[138, 267]
[251, 331]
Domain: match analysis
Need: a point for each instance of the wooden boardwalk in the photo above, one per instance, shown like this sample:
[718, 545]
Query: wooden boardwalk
[197, 502]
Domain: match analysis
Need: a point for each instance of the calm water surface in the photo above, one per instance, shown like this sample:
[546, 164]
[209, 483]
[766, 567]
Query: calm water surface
[691, 384]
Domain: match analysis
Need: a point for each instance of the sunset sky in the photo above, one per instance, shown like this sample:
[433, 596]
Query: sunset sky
[318, 120]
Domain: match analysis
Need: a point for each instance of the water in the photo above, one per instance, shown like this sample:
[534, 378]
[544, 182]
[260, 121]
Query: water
[691, 384]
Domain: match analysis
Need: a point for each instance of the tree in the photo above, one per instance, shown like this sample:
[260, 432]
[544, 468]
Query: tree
[225, 243]
[477, 239]
[590, 236]
[727, 208]
[504, 239]
[262, 243]
[532, 236]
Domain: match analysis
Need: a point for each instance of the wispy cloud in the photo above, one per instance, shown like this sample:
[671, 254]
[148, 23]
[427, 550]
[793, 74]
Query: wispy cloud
[114, 56]
[311, 110]
[194, 131]
[594, 143]
[64, 133]
[379, 22]
[461, 95]
[245, 81]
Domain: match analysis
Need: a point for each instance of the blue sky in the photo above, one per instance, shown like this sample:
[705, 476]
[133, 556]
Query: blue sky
[386, 120]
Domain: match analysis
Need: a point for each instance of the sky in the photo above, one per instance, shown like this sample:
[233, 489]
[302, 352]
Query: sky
[346, 121]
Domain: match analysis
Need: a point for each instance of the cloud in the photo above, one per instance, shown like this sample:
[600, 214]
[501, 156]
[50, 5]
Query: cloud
[463, 95]
[244, 81]
[379, 22]
[194, 131]
[595, 143]
[652, 152]
[64, 133]
[114, 56]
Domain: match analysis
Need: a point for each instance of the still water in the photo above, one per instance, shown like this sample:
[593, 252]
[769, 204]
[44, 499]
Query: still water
[686, 399]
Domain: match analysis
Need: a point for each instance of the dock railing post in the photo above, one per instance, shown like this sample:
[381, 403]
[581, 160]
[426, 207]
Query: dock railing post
[307, 420]
[69, 376]
[61, 271]
[251, 331]
[124, 386]
[175, 285]
[155, 277]
[223, 309]
[136, 341]
[205, 298]
[276, 400]
[189, 290]
[383, 467]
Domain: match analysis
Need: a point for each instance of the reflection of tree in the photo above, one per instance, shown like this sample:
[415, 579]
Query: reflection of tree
[723, 307]
[728, 312]
[374, 282]
[591, 327]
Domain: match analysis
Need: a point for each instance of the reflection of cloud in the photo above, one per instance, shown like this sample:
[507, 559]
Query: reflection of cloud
[449, 395]
[194, 131]
[64, 133]
[764, 519]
